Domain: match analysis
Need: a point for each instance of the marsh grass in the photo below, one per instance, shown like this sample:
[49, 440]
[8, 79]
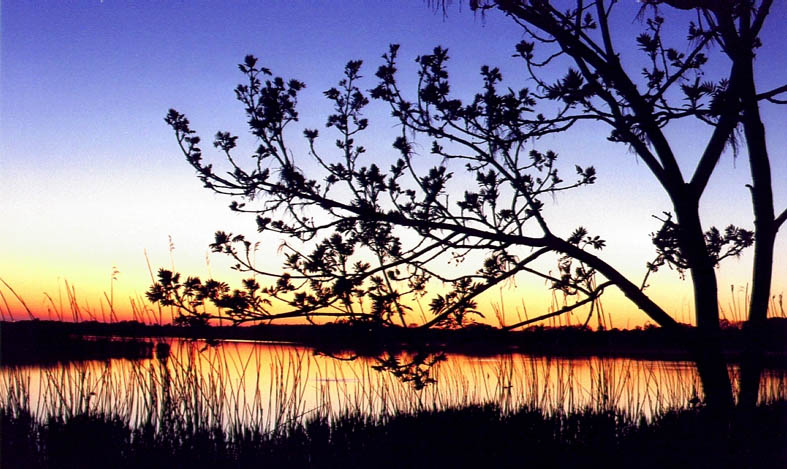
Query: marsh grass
[452, 437]
[243, 404]
[271, 386]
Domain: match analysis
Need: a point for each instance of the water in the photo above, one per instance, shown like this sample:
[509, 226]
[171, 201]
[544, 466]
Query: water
[268, 385]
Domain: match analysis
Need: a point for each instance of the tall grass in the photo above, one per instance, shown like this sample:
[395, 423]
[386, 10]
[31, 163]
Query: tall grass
[241, 404]
[736, 308]
[237, 385]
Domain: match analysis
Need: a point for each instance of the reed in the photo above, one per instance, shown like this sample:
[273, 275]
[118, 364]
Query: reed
[235, 403]
[451, 437]
[272, 387]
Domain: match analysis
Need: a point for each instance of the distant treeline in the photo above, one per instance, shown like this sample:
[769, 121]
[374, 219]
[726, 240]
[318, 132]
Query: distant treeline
[65, 340]
[42, 342]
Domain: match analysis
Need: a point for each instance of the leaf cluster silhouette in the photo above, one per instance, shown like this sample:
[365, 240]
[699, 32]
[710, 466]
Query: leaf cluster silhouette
[365, 244]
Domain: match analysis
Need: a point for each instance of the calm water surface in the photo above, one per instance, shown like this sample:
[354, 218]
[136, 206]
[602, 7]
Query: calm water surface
[263, 384]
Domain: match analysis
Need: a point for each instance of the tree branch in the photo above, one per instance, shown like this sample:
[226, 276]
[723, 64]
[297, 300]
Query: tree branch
[629, 289]
[713, 151]
[482, 288]
[780, 220]
[594, 296]
[770, 94]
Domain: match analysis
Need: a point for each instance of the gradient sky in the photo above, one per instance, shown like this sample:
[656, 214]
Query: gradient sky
[91, 178]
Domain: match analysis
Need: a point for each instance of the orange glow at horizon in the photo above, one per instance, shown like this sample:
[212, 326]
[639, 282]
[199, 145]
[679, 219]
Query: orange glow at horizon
[118, 295]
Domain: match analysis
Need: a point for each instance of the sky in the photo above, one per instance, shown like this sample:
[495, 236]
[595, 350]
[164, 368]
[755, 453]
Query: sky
[95, 193]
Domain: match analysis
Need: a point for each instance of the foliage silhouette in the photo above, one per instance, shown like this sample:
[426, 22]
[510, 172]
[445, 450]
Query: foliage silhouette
[376, 237]
[336, 276]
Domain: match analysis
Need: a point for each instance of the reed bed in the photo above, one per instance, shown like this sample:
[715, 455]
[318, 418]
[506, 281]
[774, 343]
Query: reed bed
[238, 385]
[240, 403]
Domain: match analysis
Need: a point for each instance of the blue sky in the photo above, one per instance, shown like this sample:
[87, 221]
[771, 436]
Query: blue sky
[91, 177]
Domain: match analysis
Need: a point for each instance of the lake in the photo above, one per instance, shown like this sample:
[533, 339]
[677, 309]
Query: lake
[267, 385]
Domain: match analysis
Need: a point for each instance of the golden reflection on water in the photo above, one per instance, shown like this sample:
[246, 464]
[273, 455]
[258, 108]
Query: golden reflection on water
[267, 385]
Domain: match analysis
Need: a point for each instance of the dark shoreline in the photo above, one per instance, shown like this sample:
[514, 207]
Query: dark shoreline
[464, 436]
[32, 342]
[470, 436]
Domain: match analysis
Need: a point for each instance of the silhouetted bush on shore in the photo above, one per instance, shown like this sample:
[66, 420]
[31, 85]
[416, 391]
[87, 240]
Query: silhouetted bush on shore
[458, 437]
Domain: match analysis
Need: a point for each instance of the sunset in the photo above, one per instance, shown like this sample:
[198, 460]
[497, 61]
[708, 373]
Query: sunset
[493, 170]
[93, 178]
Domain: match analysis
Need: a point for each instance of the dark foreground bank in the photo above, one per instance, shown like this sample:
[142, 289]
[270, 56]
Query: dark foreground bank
[465, 437]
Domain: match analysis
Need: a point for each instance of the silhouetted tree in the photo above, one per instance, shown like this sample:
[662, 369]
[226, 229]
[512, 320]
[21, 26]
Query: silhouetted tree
[672, 88]
[360, 219]
[375, 236]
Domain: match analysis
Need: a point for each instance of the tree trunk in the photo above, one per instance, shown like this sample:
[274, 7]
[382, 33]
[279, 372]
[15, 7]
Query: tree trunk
[762, 198]
[765, 228]
[711, 365]
[762, 275]
[740, 48]
[712, 369]
[701, 266]
[751, 372]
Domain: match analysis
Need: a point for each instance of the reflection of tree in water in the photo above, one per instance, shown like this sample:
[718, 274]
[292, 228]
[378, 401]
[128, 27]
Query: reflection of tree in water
[415, 369]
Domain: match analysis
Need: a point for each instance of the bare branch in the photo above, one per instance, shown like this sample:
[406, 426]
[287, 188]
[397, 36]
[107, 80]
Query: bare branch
[566, 309]
[769, 95]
